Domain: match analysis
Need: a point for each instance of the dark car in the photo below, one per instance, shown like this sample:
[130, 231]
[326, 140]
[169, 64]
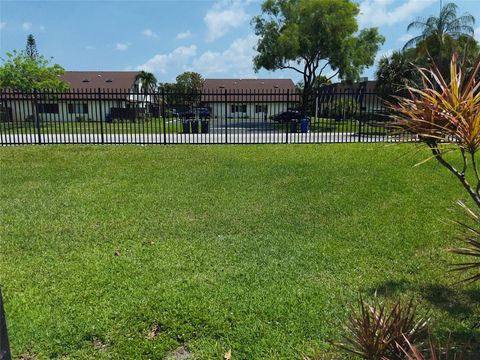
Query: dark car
[195, 113]
[186, 114]
[287, 116]
[203, 112]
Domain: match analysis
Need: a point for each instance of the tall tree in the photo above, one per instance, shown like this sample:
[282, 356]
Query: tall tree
[189, 81]
[447, 25]
[148, 81]
[395, 73]
[20, 72]
[189, 85]
[31, 48]
[312, 36]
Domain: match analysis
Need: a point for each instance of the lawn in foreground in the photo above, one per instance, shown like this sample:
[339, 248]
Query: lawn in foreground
[257, 249]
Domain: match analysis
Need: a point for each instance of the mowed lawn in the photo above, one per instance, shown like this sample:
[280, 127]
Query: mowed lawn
[254, 249]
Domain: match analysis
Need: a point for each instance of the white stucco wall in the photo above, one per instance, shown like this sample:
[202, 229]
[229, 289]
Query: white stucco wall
[218, 109]
[96, 110]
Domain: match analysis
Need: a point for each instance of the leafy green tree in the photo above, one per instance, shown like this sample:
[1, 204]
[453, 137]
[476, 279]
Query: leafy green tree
[20, 72]
[311, 36]
[395, 73]
[189, 85]
[442, 28]
[189, 81]
[320, 81]
[148, 81]
[31, 48]
[440, 37]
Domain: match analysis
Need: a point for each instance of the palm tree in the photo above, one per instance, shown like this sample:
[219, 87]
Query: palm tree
[446, 25]
[395, 73]
[148, 81]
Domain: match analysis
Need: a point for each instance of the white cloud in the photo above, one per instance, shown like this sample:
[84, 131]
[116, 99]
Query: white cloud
[42, 28]
[122, 46]
[384, 12]
[3, 24]
[183, 35]
[178, 58]
[223, 17]
[235, 61]
[26, 26]
[149, 33]
[404, 38]
[89, 47]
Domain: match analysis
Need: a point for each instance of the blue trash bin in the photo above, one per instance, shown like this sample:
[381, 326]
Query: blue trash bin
[304, 125]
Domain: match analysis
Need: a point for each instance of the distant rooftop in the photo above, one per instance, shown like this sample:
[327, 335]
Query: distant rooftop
[100, 79]
[249, 85]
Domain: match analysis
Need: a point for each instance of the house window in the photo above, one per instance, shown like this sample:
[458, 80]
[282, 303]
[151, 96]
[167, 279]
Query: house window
[239, 108]
[261, 109]
[48, 108]
[77, 108]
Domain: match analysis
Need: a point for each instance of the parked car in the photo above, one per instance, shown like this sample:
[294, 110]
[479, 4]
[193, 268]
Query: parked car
[195, 113]
[186, 114]
[287, 116]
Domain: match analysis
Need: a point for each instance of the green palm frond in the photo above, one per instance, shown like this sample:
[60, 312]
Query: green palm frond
[447, 23]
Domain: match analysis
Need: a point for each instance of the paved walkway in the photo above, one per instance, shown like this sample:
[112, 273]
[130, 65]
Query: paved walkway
[232, 138]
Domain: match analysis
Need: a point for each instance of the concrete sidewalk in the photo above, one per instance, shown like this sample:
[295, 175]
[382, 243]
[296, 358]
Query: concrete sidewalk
[215, 138]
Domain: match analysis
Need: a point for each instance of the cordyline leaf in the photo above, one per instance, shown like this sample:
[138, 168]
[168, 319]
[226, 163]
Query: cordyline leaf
[472, 245]
[411, 352]
[375, 330]
[444, 110]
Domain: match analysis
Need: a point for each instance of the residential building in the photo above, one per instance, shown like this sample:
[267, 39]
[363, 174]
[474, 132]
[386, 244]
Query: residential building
[93, 95]
[248, 98]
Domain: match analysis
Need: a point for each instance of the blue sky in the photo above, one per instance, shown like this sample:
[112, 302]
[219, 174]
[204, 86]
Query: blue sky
[214, 38]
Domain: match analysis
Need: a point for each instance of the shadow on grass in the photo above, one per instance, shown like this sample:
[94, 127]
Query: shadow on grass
[455, 300]
[459, 302]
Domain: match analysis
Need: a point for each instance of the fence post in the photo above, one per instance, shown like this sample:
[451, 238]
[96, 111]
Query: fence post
[360, 123]
[226, 110]
[100, 112]
[162, 106]
[287, 123]
[35, 116]
[4, 345]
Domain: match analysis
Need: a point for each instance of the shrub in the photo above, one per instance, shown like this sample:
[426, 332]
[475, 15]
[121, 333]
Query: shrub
[445, 115]
[378, 331]
[435, 352]
[471, 238]
[342, 108]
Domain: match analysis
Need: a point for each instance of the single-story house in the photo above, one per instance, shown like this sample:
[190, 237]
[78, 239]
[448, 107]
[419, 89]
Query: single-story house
[249, 98]
[93, 95]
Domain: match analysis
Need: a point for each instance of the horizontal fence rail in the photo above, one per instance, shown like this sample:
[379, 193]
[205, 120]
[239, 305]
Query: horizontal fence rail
[106, 116]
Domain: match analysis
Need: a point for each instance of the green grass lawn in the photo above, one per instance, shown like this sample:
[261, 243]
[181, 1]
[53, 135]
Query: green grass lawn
[330, 125]
[152, 126]
[355, 126]
[257, 249]
[173, 125]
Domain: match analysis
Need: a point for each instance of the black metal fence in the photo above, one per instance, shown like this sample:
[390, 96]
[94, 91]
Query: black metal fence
[99, 116]
[4, 345]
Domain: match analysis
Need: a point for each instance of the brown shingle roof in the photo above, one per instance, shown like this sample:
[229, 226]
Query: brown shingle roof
[121, 80]
[248, 90]
[84, 85]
